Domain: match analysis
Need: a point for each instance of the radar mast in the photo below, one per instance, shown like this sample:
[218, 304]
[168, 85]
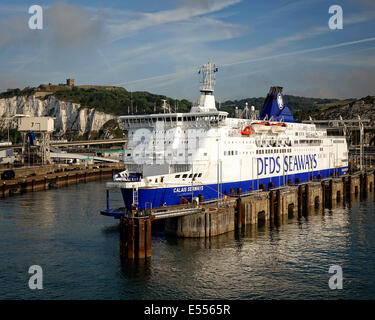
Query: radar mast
[207, 100]
[208, 71]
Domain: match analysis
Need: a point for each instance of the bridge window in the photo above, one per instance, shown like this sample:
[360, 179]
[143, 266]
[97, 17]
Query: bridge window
[177, 176]
[184, 176]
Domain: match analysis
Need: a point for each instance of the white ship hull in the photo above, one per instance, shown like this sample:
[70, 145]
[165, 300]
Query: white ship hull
[174, 157]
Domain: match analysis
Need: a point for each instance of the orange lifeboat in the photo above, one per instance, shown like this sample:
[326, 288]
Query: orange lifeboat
[280, 124]
[246, 131]
[262, 123]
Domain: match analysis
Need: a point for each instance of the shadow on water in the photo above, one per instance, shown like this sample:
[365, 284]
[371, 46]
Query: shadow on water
[111, 229]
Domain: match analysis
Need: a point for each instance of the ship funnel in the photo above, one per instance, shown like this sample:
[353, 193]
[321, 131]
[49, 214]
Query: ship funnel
[274, 106]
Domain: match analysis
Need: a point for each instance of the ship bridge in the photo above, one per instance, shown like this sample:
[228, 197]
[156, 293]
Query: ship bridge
[192, 119]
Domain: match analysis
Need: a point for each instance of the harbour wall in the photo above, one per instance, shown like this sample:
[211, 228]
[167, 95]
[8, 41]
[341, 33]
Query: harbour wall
[47, 177]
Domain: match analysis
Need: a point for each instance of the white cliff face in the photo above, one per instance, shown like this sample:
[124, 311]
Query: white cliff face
[69, 116]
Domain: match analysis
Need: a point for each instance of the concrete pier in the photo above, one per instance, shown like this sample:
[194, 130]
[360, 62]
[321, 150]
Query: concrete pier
[210, 222]
[265, 207]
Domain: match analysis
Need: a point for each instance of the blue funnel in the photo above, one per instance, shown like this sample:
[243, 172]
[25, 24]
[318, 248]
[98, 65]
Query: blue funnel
[275, 107]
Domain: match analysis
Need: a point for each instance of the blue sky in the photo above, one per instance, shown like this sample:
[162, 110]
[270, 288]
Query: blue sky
[157, 46]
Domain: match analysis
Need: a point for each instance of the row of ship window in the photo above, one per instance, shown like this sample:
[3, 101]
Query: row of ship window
[185, 175]
[174, 118]
[178, 176]
[267, 151]
[309, 141]
[161, 154]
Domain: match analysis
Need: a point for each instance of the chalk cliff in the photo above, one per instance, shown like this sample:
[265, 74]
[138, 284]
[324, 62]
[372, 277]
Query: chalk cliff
[69, 116]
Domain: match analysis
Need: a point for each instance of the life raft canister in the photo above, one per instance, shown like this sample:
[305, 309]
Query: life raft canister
[246, 131]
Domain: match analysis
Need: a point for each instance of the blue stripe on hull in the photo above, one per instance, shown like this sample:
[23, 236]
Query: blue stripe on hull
[157, 197]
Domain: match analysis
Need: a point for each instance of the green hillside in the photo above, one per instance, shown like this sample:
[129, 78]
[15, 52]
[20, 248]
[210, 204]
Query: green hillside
[119, 101]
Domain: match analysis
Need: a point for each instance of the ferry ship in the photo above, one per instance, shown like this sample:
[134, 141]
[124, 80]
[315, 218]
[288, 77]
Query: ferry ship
[172, 158]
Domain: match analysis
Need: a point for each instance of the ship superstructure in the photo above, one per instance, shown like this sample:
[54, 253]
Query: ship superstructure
[174, 157]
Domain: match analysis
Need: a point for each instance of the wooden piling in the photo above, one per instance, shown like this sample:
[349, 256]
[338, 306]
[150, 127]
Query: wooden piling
[344, 188]
[141, 239]
[330, 191]
[278, 200]
[272, 204]
[300, 198]
[148, 237]
[239, 213]
[130, 240]
[123, 237]
[307, 196]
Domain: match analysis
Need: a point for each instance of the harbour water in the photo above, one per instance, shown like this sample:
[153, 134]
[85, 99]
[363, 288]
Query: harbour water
[78, 249]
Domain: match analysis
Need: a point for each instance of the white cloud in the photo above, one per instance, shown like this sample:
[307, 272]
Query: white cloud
[126, 23]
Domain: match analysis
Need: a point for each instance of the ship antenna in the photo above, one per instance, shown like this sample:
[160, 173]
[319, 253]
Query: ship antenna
[208, 77]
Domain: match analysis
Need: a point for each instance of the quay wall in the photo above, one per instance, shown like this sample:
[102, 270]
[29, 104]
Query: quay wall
[38, 179]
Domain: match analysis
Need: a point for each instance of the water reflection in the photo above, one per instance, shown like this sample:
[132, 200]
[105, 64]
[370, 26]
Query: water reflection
[136, 269]
[78, 248]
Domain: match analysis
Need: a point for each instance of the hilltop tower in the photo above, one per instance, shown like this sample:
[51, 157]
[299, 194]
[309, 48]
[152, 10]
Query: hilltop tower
[70, 82]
